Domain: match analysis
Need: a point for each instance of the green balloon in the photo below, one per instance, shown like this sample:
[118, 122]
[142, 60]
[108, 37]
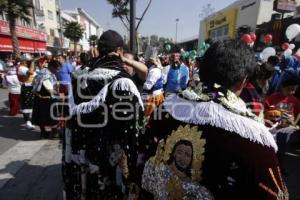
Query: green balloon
[168, 47]
[193, 53]
[201, 53]
[186, 54]
[203, 44]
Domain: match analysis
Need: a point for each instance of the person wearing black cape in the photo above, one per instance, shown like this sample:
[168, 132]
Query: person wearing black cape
[101, 140]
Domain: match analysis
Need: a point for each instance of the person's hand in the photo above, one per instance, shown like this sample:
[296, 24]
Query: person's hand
[268, 123]
[115, 54]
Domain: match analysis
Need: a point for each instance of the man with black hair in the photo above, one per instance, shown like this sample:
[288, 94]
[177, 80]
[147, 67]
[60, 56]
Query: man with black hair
[64, 74]
[176, 75]
[240, 159]
[283, 108]
[107, 115]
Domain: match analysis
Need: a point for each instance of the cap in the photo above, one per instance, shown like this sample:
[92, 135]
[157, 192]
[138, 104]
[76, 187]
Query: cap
[110, 39]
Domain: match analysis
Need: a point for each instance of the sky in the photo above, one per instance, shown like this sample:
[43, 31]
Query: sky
[159, 20]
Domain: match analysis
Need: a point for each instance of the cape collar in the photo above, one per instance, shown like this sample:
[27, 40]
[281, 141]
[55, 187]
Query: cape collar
[227, 112]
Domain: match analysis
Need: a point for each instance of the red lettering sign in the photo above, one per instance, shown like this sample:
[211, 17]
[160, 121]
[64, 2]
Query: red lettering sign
[23, 32]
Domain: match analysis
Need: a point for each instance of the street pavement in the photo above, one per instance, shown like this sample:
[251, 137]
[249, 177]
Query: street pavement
[30, 167]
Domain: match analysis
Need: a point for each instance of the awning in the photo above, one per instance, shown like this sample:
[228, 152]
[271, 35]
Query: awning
[26, 45]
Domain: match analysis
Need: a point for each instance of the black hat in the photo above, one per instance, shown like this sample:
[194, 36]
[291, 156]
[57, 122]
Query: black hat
[110, 39]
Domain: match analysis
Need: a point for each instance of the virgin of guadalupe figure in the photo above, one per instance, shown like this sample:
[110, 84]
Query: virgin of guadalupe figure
[175, 170]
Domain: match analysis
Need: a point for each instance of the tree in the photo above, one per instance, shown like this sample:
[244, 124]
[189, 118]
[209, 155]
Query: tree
[93, 40]
[206, 11]
[74, 32]
[16, 9]
[121, 11]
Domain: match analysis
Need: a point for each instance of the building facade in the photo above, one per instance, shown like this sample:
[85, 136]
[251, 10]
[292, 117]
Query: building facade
[88, 23]
[225, 23]
[48, 18]
[31, 39]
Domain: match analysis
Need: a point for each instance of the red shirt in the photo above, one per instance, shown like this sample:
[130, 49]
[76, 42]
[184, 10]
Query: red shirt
[290, 103]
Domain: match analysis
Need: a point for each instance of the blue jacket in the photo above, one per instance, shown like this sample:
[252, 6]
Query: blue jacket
[177, 78]
[64, 74]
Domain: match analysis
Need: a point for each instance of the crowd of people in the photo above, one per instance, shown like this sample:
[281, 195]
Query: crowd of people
[163, 127]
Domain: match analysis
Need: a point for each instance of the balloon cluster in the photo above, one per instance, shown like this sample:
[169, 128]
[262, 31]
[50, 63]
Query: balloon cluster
[203, 47]
[291, 32]
[249, 39]
[288, 49]
[189, 54]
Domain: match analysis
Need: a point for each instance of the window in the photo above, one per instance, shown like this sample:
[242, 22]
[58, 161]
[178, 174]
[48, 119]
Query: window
[50, 14]
[23, 22]
[226, 30]
[219, 32]
[51, 32]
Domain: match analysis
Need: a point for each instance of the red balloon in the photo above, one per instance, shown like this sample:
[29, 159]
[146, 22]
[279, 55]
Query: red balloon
[246, 38]
[285, 46]
[253, 36]
[297, 56]
[268, 38]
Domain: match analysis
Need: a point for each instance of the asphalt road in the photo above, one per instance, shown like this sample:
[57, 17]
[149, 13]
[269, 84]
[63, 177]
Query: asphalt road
[30, 167]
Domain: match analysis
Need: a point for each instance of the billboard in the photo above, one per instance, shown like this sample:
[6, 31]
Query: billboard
[285, 5]
[222, 24]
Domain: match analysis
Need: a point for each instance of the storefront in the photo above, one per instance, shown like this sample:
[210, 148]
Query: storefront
[30, 40]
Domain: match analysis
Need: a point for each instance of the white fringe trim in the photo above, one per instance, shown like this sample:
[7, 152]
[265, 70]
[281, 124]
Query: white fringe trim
[128, 85]
[26, 111]
[119, 84]
[90, 106]
[96, 74]
[210, 113]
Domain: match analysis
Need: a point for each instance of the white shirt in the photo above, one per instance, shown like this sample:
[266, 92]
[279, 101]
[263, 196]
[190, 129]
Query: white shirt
[13, 84]
[153, 76]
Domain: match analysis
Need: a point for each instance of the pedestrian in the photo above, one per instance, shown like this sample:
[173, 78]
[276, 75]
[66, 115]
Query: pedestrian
[101, 139]
[283, 109]
[240, 160]
[176, 75]
[64, 74]
[45, 86]
[26, 74]
[153, 87]
[14, 89]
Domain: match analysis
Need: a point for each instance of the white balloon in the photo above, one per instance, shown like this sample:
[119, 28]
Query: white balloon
[267, 52]
[298, 51]
[292, 46]
[287, 53]
[292, 31]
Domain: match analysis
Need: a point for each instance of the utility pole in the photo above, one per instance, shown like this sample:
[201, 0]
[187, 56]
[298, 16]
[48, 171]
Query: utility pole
[132, 26]
[176, 30]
